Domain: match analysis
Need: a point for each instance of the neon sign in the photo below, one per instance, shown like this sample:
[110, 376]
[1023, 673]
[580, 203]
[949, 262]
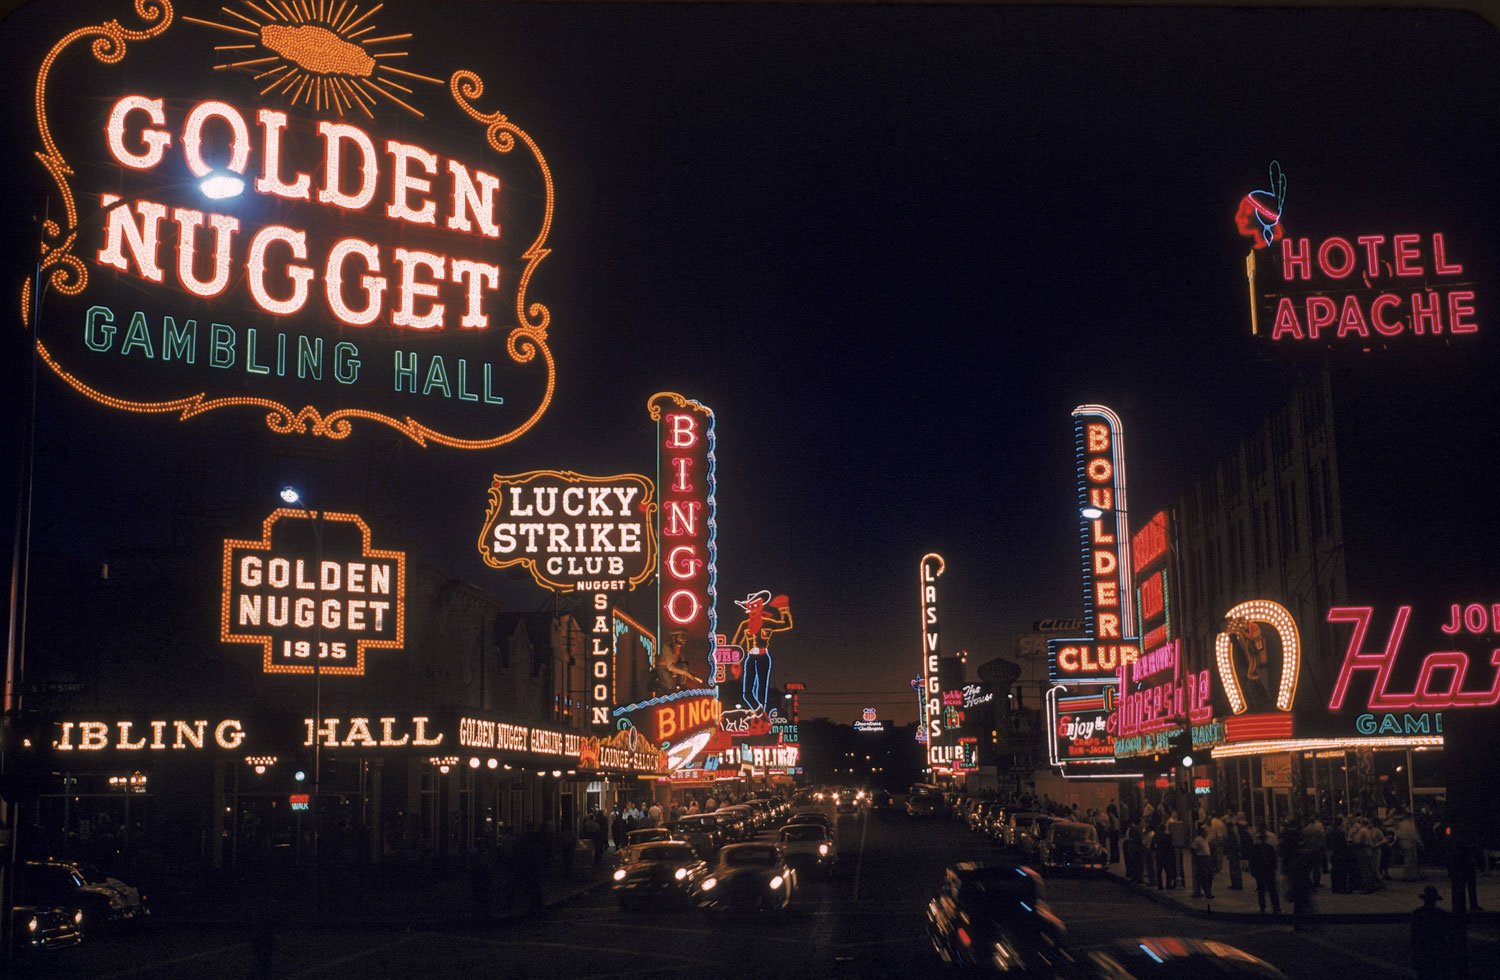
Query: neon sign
[570, 531]
[765, 615]
[149, 736]
[313, 587]
[361, 732]
[1365, 287]
[688, 564]
[319, 272]
[1259, 214]
[1109, 600]
[1243, 623]
[1440, 681]
[929, 570]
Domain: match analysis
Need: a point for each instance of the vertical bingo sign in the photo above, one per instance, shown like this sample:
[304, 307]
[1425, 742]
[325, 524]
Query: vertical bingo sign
[688, 570]
[929, 571]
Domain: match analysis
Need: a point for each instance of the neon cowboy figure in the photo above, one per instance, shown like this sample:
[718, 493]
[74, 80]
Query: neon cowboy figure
[763, 616]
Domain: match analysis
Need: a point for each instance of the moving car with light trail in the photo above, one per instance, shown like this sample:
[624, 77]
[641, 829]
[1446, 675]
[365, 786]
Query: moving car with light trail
[994, 918]
[1164, 957]
[748, 877]
[664, 873]
[37, 928]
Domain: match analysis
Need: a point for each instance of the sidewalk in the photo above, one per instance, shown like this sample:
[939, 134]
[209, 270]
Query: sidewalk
[1392, 903]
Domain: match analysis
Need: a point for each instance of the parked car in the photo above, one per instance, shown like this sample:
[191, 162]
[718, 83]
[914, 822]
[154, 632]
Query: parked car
[104, 901]
[1071, 844]
[663, 872]
[995, 918]
[40, 928]
[1162, 957]
[882, 800]
[809, 846]
[748, 877]
[1019, 825]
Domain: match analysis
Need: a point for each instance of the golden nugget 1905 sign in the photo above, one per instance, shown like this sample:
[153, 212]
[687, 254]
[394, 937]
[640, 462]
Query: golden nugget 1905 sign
[274, 206]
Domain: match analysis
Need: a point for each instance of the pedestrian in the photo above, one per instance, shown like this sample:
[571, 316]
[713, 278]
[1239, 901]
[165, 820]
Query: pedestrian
[1166, 859]
[1148, 852]
[1112, 817]
[1315, 839]
[1298, 875]
[1462, 880]
[1232, 856]
[1341, 865]
[1133, 852]
[617, 829]
[1263, 869]
[1410, 844]
[1218, 841]
[1431, 938]
[1203, 865]
[1177, 831]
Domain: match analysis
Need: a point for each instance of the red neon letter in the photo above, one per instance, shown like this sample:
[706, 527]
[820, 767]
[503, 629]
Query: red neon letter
[142, 238]
[682, 431]
[1383, 326]
[1440, 263]
[269, 181]
[1321, 312]
[192, 137]
[1380, 663]
[187, 234]
[1286, 320]
[1460, 308]
[405, 314]
[475, 277]
[480, 200]
[1296, 259]
[1428, 315]
[401, 181]
[1326, 260]
[299, 274]
[1407, 255]
[334, 135]
[373, 286]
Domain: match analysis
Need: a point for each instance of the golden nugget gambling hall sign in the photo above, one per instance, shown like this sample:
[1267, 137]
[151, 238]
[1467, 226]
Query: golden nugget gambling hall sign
[275, 207]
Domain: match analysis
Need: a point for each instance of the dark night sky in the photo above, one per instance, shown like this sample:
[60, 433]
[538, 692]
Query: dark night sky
[892, 247]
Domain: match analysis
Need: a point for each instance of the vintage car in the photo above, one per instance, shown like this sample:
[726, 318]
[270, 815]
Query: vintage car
[103, 900]
[1071, 844]
[636, 839]
[663, 873]
[994, 918]
[39, 928]
[702, 830]
[748, 877]
[809, 847]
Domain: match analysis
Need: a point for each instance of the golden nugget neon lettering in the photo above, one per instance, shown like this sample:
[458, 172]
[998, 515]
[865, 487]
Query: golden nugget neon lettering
[278, 280]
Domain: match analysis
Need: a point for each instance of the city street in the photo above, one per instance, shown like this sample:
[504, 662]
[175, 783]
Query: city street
[866, 922]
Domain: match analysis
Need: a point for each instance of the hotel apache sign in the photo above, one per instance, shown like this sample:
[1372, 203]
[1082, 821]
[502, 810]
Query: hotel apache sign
[312, 588]
[268, 207]
[1356, 289]
[590, 533]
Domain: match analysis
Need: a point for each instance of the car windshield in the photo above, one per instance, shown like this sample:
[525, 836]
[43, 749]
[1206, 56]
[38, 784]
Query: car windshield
[667, 853]
[646, 836]
[802, 832]
[748, 856]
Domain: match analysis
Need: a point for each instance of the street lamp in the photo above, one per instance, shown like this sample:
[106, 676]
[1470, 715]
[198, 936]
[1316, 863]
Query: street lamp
[217, 186]
[292, 496]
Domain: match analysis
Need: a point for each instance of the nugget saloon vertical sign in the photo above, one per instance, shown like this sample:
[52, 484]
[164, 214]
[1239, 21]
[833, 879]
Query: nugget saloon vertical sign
[293, 209]
[311, 590]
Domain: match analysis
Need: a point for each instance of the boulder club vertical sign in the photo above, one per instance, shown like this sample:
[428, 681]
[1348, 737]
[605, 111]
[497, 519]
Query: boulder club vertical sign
[688, 574]
[270, 208]
[594, 535]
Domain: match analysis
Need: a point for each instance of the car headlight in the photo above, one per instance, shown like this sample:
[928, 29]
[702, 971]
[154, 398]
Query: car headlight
[680, 874]
[709, 884]
[32, 925]
[823, 849]
[78, 917]
[776, 882]
[620, 874]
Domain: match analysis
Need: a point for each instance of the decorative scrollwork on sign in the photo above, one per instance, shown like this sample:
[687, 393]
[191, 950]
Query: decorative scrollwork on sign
[65, 271]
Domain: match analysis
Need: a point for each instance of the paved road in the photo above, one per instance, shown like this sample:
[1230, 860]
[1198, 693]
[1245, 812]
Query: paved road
[865, 923]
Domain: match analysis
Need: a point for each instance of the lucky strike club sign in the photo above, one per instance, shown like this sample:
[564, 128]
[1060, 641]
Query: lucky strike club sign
[594, 533]
[301, 598]
[270, 207]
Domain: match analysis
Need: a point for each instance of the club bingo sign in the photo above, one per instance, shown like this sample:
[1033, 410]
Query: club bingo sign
[282, 207]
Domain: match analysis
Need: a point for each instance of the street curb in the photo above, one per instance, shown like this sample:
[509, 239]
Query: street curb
[1329, 918]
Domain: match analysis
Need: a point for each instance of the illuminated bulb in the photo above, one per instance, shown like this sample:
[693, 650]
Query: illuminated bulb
[290, 495]
[680, 874]
[443, 770]
[260, 770]
[218, 187]
[556, 773]
[709, 884]
[473, 763]
[493, 763]
[620, 874]
[776, 882]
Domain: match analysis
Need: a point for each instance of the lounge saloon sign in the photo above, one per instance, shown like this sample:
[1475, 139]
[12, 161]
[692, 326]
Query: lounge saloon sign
[270, 207]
